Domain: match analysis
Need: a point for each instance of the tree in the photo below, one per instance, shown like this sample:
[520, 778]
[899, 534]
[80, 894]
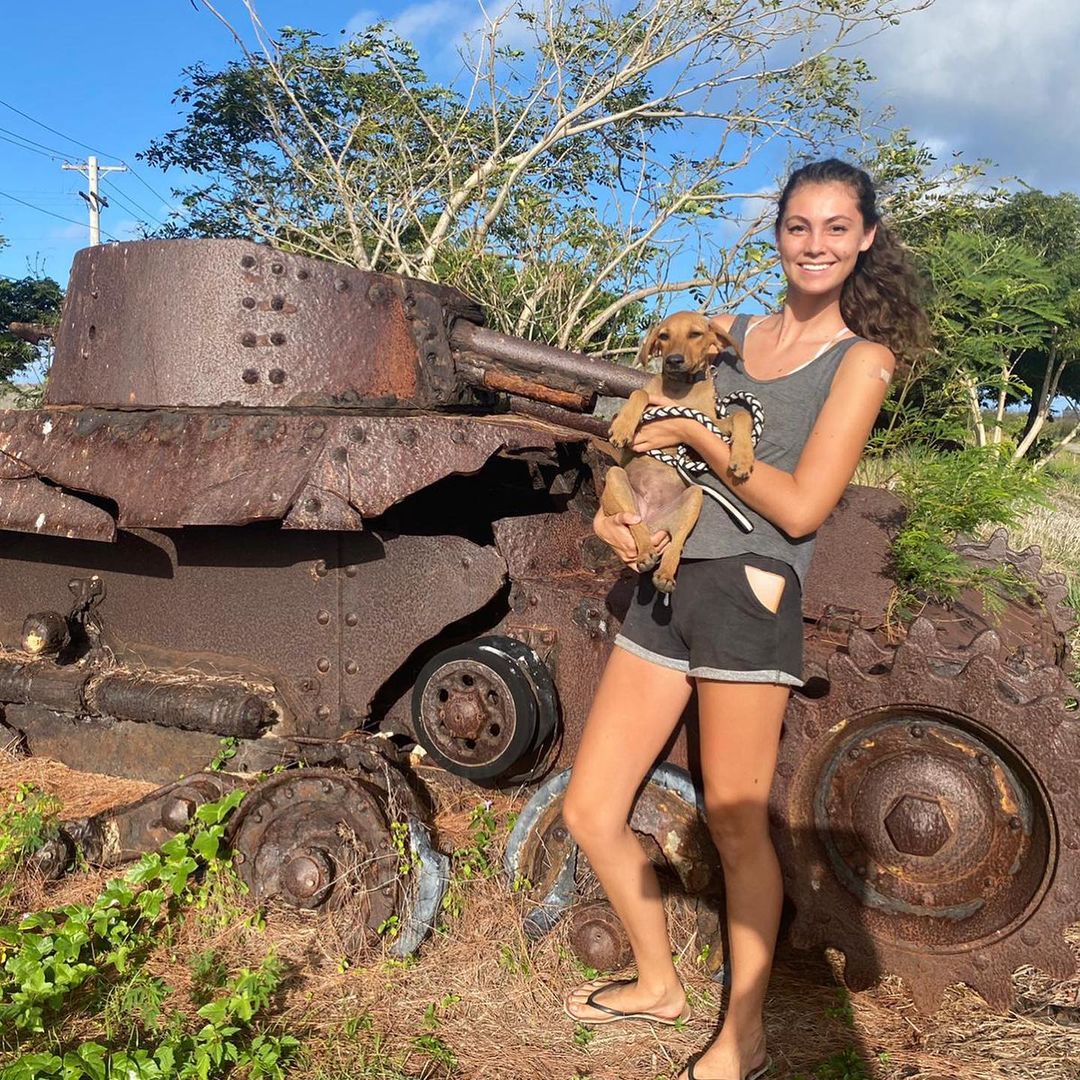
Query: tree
[1050, 226]
[29, 308]
[587, 167]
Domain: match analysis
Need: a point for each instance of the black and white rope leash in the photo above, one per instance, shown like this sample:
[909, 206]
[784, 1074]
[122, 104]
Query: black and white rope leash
[686, 464]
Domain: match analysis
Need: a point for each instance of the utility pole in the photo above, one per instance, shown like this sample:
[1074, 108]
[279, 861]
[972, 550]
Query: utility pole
[95, 201]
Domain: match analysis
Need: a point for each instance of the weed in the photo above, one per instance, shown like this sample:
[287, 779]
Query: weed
[437, 1050]
[226, 750]
[583, 1035]
[843, 1065]
[842, 1009]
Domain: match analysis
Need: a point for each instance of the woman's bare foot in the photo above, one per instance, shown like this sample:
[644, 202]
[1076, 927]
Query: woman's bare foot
[729, 1061]
[629, 999]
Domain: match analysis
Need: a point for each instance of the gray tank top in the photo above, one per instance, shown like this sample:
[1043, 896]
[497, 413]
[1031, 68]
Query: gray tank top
[792, 403]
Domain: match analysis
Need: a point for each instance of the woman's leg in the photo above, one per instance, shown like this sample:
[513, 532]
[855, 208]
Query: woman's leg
[636, 708]
[740, 733]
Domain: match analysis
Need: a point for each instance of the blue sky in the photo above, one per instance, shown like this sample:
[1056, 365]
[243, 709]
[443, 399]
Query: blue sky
[991, 78]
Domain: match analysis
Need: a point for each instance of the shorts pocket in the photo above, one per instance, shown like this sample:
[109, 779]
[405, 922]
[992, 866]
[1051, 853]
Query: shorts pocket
[752, 594]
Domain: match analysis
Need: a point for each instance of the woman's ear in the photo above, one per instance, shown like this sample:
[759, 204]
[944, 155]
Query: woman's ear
[648, 347]
[868, 239]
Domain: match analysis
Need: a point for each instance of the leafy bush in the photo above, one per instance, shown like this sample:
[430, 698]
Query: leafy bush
[948, 494]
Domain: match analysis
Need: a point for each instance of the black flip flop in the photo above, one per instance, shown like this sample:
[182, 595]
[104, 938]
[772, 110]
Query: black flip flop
[619, 1014]
[754, 1074]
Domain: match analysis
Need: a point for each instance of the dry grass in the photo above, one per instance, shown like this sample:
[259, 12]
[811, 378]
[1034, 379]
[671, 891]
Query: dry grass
[482, 1003]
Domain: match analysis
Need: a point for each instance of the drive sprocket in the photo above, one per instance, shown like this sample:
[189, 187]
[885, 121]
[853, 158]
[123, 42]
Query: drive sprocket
[927, 815]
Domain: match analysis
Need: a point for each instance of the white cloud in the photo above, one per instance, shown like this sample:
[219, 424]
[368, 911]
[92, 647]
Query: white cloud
[995, 78]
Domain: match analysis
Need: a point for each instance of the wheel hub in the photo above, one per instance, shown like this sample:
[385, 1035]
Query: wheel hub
[318, 838]
[922, 818]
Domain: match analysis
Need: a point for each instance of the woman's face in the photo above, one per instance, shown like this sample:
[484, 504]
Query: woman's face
[820, 237]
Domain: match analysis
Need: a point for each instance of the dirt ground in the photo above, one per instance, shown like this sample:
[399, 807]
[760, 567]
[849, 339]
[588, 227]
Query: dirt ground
[482, 1003]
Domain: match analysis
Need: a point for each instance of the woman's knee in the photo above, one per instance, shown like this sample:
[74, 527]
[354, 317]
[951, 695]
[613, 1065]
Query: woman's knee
[588, 818]
[736, 827]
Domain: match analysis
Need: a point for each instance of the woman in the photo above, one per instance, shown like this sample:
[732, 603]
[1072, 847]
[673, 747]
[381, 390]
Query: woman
[820, 367]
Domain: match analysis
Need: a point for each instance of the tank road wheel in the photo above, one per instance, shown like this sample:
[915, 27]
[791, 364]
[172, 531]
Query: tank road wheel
[542, 858]
[481, 708]
[325, 839]
[927, 816]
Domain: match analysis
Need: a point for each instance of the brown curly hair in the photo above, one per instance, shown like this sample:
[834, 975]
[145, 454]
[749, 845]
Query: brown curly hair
[880, 300]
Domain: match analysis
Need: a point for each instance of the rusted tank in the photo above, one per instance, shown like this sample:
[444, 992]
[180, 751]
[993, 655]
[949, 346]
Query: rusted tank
[328, 516]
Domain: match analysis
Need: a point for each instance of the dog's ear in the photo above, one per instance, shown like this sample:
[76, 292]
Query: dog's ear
[723, 340]
[648, 347]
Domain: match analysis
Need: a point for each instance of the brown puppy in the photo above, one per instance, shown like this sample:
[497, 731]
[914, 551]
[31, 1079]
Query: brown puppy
[642, 485]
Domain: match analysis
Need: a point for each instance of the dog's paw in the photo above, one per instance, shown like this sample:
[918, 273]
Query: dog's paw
[662, 582]
[621, 435]
[741, 468]
[647, 562]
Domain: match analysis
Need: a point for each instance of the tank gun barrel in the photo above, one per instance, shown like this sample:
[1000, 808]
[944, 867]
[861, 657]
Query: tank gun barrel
[543, 373]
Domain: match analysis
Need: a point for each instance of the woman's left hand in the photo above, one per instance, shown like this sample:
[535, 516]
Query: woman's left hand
[661, 434]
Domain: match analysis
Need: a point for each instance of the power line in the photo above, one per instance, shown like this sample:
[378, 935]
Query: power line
[42, 210]
[86, 146]
[127, 202]
[67, 138]
[49, 151]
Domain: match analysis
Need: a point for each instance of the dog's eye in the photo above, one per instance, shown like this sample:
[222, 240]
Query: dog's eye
[695, 333]
[663, 335]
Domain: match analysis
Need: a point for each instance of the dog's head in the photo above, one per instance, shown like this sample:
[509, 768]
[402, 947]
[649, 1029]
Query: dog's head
[687, 342]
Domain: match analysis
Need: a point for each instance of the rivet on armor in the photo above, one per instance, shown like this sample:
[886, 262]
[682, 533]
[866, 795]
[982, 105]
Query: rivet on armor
[323, 618]
[341, 285]
[984, 759]
[916, 731]
[315, 430]
[276, 376]
[408, 437]
[323, 712]
[351, 619]
[277, 268]
[1015, 823]
[277, 303]
[854, 753]
[351, 667]
[358, 435]
[457, 436]
[303, 275]
[320, 568]
[351, 570]
[339, 454]
[249, 340]
[249, 375]
[466, 561]
[247, 262]
[248, 302]
[277, 338]
[312, 505]
[323, 664]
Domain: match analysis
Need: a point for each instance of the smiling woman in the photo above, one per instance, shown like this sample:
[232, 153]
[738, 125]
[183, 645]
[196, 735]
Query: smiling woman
[732, 629]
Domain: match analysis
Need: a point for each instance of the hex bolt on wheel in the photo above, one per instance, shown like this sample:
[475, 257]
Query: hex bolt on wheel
[482, 707]
[927, 818]
[321, 839]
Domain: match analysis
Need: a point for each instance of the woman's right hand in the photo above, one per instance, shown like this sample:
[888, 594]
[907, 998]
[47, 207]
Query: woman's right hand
[614, 530]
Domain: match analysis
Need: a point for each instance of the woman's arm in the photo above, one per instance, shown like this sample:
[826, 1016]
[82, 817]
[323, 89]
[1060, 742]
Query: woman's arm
[799, 502]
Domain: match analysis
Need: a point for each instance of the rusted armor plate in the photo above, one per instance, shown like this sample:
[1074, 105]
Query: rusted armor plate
[172, 468]
[325, 618]
[28, 505]
[152, 324]
[849, 583]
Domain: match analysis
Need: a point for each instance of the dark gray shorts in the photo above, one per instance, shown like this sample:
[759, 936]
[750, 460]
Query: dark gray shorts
[714, 627]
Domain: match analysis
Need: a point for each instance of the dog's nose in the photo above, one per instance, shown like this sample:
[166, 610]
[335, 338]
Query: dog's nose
[674, 360]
